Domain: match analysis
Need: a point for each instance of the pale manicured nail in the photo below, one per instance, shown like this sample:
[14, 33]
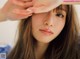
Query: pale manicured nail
[29, 10]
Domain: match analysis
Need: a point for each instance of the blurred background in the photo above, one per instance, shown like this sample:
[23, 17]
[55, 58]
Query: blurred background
[8, 29]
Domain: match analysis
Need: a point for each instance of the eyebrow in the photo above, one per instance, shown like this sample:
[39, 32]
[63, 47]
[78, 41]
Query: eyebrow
[62, 9]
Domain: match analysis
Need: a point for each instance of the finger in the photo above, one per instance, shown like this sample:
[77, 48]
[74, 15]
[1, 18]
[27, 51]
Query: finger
[23, 12]
[21, 16]
[28, 4]
[22, 4]
[26, 0]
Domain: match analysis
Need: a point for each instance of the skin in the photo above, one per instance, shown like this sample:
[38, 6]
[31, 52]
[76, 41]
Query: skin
[53, 21]
[20, 9]
[15, 9]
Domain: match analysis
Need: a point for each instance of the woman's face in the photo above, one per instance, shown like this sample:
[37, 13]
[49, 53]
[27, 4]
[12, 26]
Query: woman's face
[47, 26]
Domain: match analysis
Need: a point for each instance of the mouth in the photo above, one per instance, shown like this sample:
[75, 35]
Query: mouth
[46, 31]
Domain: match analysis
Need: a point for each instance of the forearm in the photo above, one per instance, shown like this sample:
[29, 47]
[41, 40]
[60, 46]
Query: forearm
[2, 16]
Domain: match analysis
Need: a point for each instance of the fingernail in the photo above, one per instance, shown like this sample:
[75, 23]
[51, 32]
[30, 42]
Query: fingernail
[29, 10]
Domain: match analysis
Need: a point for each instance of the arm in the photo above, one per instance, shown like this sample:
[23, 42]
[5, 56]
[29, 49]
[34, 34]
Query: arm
[2, 16]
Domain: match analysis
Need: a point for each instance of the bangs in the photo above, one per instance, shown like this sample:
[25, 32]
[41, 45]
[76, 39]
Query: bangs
[62, 8]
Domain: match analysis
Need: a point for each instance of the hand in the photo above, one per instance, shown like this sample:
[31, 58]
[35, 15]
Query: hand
[40, 6]
[17, 9]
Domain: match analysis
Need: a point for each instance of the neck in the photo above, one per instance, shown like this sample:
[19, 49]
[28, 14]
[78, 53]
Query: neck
[40, 49]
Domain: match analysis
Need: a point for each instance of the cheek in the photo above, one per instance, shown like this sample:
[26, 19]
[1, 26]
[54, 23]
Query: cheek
[58, 27]
[36, 23]
[37, 20]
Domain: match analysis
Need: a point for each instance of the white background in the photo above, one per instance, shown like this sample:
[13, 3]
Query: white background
[8, 28]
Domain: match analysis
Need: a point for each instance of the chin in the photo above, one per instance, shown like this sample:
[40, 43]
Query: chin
[44, 40]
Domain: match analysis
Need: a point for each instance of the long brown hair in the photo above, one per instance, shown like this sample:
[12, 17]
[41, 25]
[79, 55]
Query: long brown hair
[62, 47]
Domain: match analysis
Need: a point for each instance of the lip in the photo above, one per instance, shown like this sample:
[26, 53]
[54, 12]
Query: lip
[46, 31]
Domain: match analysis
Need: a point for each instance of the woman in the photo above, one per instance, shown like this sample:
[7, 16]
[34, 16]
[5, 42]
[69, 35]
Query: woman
[50, 35]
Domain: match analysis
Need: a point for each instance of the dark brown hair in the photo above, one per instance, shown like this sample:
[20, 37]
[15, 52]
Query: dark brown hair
[63, 46]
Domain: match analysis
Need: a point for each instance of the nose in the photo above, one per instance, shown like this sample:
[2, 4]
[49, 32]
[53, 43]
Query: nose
[49, 20]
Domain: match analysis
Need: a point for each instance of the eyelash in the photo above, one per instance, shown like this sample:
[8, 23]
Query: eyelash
[60, 15]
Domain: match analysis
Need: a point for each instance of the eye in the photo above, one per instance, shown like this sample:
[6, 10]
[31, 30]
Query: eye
[60, 15]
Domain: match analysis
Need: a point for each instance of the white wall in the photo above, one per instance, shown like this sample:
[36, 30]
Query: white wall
[8, 29]
[77, 7]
